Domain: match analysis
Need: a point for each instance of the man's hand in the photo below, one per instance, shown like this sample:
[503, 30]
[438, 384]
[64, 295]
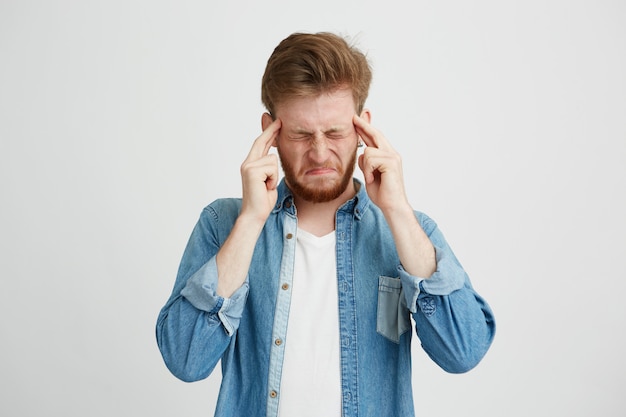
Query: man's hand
[259, 176]
[382, 168]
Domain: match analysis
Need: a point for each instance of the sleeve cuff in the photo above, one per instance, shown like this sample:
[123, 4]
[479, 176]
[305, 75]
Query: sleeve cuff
[200, 291]
[448, 277]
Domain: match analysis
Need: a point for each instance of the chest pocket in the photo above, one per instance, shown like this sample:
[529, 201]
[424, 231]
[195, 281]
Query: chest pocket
[392, 316]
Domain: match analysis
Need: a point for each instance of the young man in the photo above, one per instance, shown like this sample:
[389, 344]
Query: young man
[304, 288]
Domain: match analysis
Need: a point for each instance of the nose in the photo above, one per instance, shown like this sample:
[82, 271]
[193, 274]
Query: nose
[318, 151]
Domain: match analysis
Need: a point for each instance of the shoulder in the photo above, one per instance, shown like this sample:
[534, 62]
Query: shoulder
[375, 214]
[223, 210]
[224, 206]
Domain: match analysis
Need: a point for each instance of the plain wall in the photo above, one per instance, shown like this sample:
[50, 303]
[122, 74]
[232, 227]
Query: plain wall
[121, 120]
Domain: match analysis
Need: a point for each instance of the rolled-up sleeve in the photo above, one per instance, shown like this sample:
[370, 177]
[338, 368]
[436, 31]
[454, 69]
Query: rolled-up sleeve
[448, 277]
[201, 292]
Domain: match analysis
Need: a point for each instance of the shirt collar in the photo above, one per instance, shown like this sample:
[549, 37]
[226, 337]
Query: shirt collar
[285, 198]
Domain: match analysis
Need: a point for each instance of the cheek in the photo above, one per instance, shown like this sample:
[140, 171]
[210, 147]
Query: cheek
[348, 149]
[288, 154]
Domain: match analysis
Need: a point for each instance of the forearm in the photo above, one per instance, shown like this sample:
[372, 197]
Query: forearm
[415, 249]
[234, 257]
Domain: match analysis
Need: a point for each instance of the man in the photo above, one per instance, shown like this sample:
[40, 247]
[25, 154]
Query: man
[304, 288]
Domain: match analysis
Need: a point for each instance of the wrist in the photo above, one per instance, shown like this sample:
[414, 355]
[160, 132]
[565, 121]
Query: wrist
[250, 221]
[398, 212]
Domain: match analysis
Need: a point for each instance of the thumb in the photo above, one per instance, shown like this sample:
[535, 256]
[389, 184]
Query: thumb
[368, 176]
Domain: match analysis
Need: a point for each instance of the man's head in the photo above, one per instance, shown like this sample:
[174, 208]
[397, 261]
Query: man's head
[306, 65]
[315, 84]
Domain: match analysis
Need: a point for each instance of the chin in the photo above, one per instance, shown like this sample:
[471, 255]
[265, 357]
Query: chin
[325, 190]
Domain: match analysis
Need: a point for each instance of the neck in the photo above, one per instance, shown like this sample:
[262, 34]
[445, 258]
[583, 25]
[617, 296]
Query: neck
[319, 218]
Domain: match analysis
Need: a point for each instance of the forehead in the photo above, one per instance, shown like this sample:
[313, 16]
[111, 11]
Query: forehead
[325, 110]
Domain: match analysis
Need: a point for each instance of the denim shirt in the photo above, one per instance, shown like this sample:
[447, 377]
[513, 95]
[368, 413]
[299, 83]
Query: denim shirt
[197, 328]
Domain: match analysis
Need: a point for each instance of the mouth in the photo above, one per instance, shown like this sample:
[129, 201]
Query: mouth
[320, 171]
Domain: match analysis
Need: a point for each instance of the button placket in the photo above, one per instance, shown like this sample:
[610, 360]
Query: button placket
[281, 313]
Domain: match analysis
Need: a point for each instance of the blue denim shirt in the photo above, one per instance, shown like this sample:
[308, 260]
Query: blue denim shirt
[197, 328]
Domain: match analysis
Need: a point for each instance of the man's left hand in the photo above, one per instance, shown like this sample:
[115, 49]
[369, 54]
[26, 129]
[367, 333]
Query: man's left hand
[381, 166]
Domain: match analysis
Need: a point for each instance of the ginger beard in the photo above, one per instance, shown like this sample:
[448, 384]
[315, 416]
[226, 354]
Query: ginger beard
[323, 189]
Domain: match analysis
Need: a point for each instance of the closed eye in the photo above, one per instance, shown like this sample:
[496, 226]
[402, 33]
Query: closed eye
[332, 134]
[298, 137]
[335, 136]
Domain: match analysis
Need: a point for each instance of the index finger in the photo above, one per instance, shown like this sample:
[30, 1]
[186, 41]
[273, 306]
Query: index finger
[371, 136]
[263, 143]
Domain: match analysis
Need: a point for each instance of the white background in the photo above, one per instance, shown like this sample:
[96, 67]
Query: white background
[120, 120]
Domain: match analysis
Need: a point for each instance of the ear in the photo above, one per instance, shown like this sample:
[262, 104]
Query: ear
[267, 120]
[366, 115]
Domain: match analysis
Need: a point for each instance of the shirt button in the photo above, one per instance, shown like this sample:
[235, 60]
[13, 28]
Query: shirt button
[288, 204]
[347, 396]
[285, 286]
[273, 394]
[289, 236]
[278, 342]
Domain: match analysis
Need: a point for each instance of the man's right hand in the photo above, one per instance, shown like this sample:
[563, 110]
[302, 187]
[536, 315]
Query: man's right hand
[259, 175]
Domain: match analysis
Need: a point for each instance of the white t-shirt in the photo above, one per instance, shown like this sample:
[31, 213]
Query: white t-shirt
[311, 377]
